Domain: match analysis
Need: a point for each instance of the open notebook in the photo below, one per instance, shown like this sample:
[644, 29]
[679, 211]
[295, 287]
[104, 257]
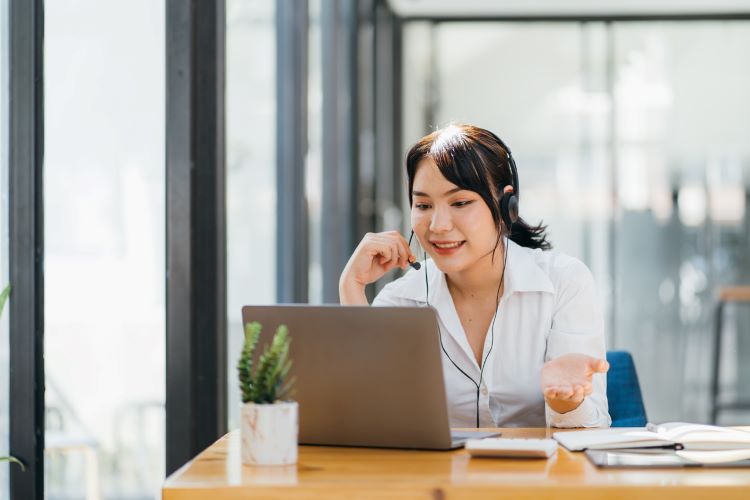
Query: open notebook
[674, 435]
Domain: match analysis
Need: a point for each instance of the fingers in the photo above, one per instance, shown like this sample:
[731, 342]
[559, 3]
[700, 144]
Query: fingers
[404, 249]
[376, 254]
[393, 249]
[561, 392]
[388, 251]
[571, 393]
[557, 392]
[598, 365]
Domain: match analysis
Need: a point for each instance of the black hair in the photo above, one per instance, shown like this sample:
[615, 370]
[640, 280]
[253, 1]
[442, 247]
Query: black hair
[474, 159]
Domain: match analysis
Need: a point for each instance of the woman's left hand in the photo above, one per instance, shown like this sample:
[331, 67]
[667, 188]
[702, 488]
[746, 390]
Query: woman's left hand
[567, 380]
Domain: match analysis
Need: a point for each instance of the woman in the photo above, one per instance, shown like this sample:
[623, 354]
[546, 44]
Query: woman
[520, 326]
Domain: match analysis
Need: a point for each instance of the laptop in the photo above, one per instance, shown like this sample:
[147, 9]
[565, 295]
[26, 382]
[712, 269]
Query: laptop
[365, 376]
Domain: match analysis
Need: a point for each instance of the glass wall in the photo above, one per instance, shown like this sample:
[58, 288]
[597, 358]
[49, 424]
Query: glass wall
[251, 166]
[251, 170]
[631, 143]
[314, 159]
[682, 114]
[104, 236]
[4, 341]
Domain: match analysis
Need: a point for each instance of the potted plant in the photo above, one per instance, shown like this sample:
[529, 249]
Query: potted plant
[268, 421]
[3, 299]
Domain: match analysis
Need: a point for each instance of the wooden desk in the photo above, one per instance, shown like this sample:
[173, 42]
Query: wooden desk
[327, 472]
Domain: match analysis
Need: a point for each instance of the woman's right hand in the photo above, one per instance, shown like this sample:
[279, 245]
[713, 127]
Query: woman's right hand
[375, 255]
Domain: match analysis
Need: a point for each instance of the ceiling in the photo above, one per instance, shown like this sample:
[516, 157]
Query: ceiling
[566, 8]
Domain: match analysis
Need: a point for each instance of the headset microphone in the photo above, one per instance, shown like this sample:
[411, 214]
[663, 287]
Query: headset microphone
[415, 265]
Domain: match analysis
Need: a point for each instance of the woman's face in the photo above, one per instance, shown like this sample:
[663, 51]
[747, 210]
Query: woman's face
[453, 225]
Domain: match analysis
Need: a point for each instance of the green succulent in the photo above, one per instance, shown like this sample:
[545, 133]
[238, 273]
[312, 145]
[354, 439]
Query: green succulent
[3, 298]
[268, 382]
[13, 460]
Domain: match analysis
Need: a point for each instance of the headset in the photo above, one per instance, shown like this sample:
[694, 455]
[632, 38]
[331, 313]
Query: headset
[509, 215]
[509, 201]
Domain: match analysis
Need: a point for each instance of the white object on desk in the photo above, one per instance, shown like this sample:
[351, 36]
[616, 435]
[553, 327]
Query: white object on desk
[677, 435]
[511, 448]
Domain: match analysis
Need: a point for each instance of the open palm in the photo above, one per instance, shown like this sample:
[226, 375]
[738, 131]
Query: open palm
[569, 377]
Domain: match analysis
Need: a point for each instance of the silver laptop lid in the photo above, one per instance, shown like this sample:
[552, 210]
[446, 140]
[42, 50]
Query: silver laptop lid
[365, 376]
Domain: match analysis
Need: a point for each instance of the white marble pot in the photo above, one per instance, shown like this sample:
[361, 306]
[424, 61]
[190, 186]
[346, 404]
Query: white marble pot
[269, 433]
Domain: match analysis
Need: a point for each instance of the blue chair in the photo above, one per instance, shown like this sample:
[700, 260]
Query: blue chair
[623, 391]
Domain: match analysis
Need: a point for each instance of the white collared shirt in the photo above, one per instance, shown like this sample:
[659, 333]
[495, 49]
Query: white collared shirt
[549, 308]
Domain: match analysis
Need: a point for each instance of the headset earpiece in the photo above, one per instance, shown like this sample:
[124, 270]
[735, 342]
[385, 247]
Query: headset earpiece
[509, 201]
[509, 210]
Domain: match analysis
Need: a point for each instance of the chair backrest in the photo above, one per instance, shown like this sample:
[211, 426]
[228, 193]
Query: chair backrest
[623, 391]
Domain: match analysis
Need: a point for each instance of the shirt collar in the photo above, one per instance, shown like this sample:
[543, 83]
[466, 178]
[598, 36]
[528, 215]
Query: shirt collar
[522, 273]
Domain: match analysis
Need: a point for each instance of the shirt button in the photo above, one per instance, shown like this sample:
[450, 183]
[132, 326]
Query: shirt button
[484, 391]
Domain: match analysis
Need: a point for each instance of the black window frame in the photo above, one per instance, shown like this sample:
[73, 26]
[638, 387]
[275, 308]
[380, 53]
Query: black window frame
[196, 320]
[26, 245]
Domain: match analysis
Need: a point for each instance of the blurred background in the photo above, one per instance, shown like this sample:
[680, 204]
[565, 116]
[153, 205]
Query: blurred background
[629, 122]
